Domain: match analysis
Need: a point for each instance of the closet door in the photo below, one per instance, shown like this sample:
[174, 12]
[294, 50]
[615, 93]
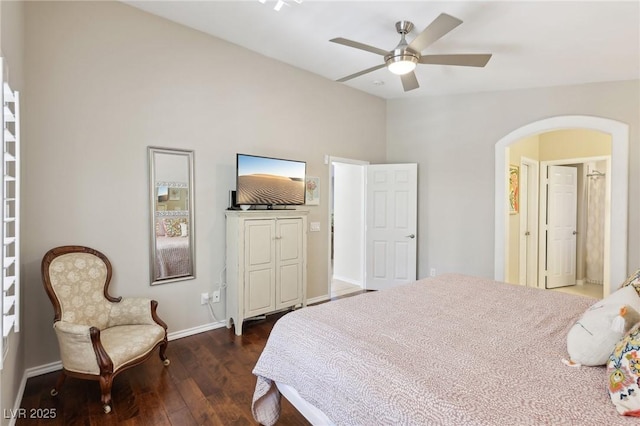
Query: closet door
[289, 262]
[260, 266]
[562, 226]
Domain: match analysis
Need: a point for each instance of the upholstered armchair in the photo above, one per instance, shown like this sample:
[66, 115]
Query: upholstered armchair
[99, 335]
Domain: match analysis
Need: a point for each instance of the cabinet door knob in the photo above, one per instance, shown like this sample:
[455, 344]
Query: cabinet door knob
[412, 236]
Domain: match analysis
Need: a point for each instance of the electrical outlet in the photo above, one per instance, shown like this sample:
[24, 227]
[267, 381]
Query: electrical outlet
[432, 272]
[216, 296]
[204, 298]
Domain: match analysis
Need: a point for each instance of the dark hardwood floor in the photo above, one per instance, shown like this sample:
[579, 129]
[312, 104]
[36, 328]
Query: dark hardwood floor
[209, 382]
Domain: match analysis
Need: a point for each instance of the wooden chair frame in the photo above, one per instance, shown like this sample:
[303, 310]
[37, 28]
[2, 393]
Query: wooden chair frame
[107, 374]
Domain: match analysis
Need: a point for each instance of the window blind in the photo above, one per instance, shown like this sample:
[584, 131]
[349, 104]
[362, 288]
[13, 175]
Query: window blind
[10, 212]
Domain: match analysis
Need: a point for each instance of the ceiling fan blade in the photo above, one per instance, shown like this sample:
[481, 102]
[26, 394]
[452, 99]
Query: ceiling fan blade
[359, 45]
[438, 28]
[465, 60]
[409, 81]
[358, 74]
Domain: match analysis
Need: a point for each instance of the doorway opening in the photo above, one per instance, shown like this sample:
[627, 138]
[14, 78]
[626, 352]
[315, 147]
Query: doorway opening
[373, 214]
[583, 242]
[346, 216]
[615, 226]
[555, 205]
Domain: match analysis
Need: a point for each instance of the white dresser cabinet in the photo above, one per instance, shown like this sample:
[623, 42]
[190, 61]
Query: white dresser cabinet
[266, 262]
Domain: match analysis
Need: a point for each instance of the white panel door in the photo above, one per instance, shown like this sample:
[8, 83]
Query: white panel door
[561, 226]
[528, 223]
[524, 226]
[391, 231]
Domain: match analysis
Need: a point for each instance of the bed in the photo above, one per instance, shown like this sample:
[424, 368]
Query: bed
[172, 254]
[449, 350]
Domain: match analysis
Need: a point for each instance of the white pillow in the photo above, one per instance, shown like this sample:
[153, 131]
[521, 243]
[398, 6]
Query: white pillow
[591, 340]
[184, 230]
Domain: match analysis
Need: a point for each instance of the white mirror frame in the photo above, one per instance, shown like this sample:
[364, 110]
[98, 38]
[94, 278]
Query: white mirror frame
[163, 249]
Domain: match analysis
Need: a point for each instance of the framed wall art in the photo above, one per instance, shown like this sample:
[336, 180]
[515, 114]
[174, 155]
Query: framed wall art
[312, 185]
[514, 189]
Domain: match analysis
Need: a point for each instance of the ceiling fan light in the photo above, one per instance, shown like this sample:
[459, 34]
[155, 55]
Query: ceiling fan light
[402, 64]
[401, 67]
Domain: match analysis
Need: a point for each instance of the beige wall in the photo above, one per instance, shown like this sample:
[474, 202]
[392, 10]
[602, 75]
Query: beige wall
[12, 49]
[574, 143]
[104, 81]
[453, 139]
[527, 147]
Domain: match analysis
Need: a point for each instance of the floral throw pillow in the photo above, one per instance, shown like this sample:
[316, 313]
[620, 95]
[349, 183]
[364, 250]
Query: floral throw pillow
[172, 227]
[623, 371]
[633, 280]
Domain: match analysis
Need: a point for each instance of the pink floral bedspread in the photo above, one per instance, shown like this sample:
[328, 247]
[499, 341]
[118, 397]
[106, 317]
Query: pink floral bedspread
[450, 350]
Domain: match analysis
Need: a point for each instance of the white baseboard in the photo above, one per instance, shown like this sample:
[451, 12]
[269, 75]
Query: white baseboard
[318, 299]
[195, 330]
[348, 280]
[43, 369]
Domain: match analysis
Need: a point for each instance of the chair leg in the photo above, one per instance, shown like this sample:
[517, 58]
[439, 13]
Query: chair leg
[163, 347]
[59, 383]
[106, 381]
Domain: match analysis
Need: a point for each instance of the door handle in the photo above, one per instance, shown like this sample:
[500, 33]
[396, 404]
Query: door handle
[527, 233]
[412, 236]
[575, 232]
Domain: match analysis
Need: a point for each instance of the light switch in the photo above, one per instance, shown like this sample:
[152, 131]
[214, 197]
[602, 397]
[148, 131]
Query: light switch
[314, 227]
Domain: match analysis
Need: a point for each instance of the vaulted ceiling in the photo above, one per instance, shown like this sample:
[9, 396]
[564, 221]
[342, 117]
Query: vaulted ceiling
[534, 44]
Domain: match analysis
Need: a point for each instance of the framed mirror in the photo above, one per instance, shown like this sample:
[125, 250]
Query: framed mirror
[171, 220]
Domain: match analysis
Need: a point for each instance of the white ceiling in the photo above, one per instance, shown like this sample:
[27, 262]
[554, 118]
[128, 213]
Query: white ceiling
[534, 44]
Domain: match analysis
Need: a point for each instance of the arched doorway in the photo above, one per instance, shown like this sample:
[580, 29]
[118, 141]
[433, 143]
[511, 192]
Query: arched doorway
[615, 228]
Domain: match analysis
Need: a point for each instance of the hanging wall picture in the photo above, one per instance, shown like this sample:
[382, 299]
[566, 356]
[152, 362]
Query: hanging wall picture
[313, 191]
[514, 189]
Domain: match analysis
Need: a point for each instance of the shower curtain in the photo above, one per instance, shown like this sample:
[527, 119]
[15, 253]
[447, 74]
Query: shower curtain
[594, 247]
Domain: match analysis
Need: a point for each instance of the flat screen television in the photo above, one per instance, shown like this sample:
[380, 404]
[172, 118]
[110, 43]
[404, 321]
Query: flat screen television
[269, 181]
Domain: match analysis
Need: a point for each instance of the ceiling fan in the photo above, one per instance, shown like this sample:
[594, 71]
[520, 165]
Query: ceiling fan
[402, 60]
